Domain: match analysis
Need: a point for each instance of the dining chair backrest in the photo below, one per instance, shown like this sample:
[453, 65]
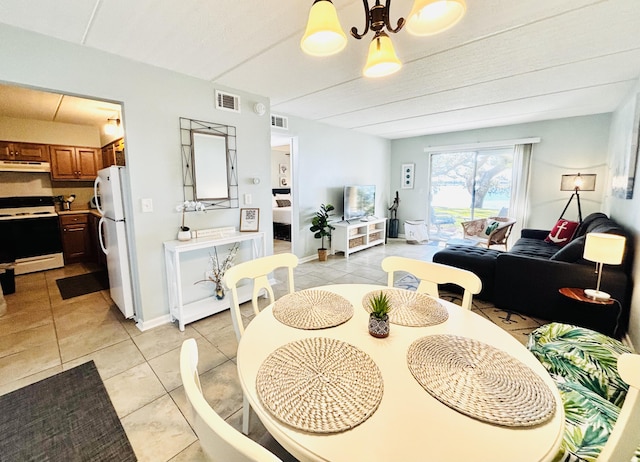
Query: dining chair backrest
[431, 274]
[258, 270]
[219, 441]
[625, 436]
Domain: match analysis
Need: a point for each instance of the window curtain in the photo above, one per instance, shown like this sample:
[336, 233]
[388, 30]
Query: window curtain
[519, 206]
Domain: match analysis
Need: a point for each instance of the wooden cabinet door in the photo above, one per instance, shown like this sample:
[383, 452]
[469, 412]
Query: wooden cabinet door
[87, 163]
[32, 152]
[63, 163]
[75, 237]
[6, 151]
[108, 157]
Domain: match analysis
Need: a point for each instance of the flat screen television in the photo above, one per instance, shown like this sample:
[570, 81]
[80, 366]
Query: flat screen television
[359, 201]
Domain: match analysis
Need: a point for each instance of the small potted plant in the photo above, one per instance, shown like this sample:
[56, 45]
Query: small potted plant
[379, 315]
[321, 228]
[185, 233]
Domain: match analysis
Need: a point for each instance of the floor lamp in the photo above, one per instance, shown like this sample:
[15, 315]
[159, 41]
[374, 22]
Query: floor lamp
[577, 183]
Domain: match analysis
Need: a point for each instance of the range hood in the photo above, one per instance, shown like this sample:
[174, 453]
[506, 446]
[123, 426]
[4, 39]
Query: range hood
[24, 166]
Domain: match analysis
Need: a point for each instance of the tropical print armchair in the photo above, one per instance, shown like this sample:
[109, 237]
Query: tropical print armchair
[583, 363]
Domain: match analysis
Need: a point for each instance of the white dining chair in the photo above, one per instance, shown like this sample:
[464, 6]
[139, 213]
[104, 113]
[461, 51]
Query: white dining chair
[625, 436]
[258, 270]
[431, 274]
[219, 441]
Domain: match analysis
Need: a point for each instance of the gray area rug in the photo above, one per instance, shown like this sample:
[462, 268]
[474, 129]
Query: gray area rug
[83, 284]
[67, 417]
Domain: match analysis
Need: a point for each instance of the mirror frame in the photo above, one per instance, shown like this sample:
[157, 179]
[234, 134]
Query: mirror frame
[187, 129]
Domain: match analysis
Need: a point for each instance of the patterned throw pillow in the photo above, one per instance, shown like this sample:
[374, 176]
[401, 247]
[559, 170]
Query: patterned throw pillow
[283, 203]
[562, 232]
[490, 226]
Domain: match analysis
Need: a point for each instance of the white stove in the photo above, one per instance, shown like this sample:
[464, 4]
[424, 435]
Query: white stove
[30, 233]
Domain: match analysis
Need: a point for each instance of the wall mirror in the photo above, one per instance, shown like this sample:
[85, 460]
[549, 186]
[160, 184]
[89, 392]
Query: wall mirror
[209, 163]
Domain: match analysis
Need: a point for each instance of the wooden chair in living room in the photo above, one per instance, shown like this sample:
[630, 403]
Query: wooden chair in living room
[477, 230]
[257, 270]
[431, 274]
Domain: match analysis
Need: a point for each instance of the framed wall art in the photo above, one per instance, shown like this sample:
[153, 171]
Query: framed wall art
[624, 151]
[407, 176]
[249, 220]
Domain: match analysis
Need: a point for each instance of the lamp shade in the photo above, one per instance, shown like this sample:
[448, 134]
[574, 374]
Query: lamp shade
[382, 59]
[578, 181]
[604, 248]
[429, 17]
[324, 35]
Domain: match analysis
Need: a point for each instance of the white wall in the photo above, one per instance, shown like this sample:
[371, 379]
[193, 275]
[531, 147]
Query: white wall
[625, 211]
[324, 160]
[570, 145]
[153, 100]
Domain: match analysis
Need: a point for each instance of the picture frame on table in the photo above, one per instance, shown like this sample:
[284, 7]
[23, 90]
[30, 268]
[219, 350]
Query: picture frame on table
[249, 220]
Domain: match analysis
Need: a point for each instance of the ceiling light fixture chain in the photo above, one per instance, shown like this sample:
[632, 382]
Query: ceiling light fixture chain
[376, 19]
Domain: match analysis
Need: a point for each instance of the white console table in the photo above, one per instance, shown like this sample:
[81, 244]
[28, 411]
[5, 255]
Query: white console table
[190, 312]
[349, 237]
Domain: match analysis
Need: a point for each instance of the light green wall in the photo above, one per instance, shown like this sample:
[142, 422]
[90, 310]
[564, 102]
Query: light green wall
[153, 100]
[569, 145]
[626, 211]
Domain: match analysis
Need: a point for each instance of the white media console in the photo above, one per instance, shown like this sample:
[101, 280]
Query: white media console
[354, 235]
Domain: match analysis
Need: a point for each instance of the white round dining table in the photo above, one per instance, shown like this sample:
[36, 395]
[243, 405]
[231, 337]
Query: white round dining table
[409, 424]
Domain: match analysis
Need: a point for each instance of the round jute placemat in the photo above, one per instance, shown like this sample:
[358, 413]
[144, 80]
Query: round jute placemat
[480, 381]
[320, 385]
[312, 309]
[409, 308]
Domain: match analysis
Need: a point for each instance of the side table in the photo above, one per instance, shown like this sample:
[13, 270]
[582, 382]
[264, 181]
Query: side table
[593, 317]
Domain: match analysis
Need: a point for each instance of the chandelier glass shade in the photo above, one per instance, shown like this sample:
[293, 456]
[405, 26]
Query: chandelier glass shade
[382, 59]
[324, 36]
[430, 17]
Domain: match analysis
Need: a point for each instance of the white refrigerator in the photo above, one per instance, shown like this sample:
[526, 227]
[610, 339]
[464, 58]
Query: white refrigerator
[112, 232]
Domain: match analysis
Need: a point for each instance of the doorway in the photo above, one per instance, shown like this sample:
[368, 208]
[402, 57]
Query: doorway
[282, 194]
[467, 185]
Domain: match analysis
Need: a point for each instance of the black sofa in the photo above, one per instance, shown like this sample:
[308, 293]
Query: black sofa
[527, 278]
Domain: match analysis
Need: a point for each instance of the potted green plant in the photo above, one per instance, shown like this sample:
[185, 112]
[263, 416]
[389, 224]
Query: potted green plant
[321, 228]
[379, 315]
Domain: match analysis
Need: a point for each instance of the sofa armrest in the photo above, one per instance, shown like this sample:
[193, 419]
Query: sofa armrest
[530, 286]
[534, 233]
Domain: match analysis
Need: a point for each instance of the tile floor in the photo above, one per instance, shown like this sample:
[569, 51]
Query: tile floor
[41, 335]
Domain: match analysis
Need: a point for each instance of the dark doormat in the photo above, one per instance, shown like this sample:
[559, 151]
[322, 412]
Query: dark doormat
[83, 284]
[65, 417]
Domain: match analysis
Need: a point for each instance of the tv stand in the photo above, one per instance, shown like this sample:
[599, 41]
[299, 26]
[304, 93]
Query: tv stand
[351, 237]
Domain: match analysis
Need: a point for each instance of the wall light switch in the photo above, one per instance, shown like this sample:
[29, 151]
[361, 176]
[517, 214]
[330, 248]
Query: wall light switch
[147, 205]
[247, 199]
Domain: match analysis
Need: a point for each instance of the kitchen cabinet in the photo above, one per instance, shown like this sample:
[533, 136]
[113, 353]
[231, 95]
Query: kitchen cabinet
[75, 237]
[113, 153]
[98, 255]
[24, 151]
[74, 163]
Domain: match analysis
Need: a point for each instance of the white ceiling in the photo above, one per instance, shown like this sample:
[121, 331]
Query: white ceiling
[506, 62]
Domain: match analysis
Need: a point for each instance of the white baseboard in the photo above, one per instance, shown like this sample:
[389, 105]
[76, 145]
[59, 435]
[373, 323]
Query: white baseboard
[155, 322]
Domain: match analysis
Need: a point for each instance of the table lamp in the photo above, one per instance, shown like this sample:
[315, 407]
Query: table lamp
[603, 248]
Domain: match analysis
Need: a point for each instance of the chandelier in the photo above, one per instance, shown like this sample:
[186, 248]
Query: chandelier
[324, 35]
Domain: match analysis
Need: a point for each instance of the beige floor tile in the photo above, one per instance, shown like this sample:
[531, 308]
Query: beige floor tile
[111, 360]
[211, 324]
[158, 431]
[193, 453]
[23, 382]
[167, 366]
[28, 352]
[162, 339]
[90, 338]
[225, 340]
[134, 388]
[16, 320]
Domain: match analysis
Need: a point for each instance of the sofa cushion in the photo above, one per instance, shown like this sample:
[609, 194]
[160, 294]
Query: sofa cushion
[562, 232]
[572, 252]
[529, 247]
[587, 223]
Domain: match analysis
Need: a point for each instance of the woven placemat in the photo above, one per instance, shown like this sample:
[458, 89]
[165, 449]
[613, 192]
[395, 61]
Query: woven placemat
[409, 308]
[320, 385]
[480, 381]
[312, 309]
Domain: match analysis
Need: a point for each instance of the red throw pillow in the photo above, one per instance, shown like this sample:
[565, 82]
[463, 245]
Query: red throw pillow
[562, 232]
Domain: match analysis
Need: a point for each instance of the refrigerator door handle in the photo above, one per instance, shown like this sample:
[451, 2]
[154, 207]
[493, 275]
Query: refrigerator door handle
[96, 184]
[101, 237]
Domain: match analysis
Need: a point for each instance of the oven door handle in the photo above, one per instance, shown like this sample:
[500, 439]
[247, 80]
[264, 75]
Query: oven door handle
[101, 237]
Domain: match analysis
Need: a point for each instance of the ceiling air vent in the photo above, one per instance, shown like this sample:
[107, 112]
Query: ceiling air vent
[227, 101]
[278, 121]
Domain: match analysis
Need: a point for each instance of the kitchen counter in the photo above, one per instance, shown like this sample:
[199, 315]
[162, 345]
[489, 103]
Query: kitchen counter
[79, 211]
